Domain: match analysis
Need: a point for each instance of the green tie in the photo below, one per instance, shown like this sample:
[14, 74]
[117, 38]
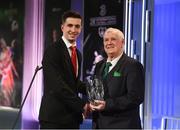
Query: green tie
[106, 69]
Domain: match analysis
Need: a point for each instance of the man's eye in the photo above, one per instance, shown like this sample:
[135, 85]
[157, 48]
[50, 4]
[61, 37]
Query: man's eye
[77, 26]
[105, 40]
[70, 25]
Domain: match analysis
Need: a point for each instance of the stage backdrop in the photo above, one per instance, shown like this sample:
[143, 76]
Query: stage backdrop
[53, 12]
[98, 16]
[11, 52]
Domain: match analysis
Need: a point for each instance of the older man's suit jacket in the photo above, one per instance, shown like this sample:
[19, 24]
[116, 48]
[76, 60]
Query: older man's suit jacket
[124, 92]
[60, 102]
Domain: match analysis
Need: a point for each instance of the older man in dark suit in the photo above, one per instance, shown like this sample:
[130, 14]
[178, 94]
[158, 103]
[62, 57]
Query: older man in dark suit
[123, 79]
[61, 107]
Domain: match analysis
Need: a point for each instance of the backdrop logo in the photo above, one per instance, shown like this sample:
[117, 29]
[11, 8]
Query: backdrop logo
[101, 31]
[102, 10]
[102, 21]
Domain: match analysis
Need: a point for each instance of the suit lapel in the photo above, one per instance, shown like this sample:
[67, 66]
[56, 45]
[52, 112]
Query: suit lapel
[67, 62]
[100, 68]
[116, 68]
[79, 62]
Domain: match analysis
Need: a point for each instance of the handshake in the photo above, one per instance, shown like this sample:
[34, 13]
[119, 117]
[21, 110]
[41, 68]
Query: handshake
[97, 105]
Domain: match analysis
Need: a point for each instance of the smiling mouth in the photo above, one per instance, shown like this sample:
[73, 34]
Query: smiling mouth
[73, 35]
[110, 47]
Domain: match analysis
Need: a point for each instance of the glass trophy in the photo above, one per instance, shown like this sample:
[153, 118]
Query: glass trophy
[95, 88]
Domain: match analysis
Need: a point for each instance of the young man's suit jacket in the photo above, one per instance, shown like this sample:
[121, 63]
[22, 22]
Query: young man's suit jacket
[60, 102]
[124, 92]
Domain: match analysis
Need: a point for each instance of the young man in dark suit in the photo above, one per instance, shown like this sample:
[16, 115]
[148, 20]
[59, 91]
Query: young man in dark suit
[61, 106]
[123, 85]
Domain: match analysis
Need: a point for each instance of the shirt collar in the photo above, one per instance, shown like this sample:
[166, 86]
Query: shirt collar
[67, 43]
[115, 60]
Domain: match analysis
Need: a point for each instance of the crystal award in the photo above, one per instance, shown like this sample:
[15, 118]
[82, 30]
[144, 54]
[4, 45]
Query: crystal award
[95, 88]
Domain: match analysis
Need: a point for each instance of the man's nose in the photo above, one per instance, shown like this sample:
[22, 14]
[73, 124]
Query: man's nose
[109, 42]
[73, 29]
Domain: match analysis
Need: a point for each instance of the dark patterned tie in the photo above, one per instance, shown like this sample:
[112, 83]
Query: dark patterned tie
[74, 58]
[106, 69]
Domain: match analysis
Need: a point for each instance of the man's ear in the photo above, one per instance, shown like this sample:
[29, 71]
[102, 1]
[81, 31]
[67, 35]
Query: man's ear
[62, 27]
[123, 43]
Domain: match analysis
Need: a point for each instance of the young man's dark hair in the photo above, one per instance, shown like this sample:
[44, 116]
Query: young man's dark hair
[71, 14]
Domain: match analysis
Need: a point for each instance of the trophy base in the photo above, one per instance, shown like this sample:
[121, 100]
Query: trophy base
[94, 103]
